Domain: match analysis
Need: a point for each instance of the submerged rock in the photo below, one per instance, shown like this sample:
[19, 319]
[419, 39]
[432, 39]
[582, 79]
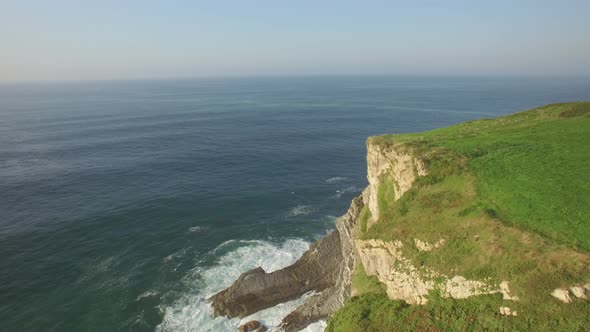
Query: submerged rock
[251, 326]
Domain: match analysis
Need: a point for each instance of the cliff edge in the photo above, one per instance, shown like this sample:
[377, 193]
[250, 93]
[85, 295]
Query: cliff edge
[480, 226]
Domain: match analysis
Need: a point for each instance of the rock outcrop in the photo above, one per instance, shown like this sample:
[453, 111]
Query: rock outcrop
[401, 166]
[322, 305]
[325, 269]
[256, 290]
[404, 281]
[252, 326]
[568, 295]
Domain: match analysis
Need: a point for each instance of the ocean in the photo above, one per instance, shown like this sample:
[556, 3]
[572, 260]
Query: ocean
[125, 204]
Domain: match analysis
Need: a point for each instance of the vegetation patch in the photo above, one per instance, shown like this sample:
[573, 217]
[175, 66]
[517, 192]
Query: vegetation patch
[363, 220]
[364, 284]
[376, 312]
[385, 196]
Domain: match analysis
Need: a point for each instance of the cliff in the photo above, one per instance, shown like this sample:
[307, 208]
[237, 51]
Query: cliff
[483, 225]
[325, 269]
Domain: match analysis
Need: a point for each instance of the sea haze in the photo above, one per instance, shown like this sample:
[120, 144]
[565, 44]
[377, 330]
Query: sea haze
[125, 204]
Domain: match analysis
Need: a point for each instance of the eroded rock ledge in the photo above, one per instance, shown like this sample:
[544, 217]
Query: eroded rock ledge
[325, 269]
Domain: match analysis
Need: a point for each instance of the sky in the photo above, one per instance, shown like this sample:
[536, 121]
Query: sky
[135, 39]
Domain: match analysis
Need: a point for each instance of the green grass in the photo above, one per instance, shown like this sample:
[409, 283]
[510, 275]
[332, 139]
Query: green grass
[376, 313]
[364, 284]
[364, 219]
[532, 168]
[511, 197]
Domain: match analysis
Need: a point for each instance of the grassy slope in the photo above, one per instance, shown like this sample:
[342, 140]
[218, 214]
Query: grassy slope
[512, 197]
[532, 167]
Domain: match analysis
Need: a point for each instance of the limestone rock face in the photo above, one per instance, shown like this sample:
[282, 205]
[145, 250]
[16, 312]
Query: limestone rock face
[425, 246]
[404, 281]
[505, 290]
[562, 294]
[565, 295]
[402, 166]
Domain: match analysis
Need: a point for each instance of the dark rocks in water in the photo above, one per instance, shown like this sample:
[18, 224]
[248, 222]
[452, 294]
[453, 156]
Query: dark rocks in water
[252, 326]
[256, 290]
[321, 306]
[325, 269]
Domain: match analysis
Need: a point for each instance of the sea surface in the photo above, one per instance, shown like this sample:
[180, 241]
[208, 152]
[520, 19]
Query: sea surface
[124, 205]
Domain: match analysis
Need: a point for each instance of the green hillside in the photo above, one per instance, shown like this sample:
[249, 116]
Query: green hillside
[511, 196]
[531, 168]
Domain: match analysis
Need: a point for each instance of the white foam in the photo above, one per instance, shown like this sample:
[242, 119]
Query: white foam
[191, 312]
[316, 327]
[272, 317]
[145, 294]
[196, 229]
[336, 179]
[179, 254]
[350, 189]
[300, 210]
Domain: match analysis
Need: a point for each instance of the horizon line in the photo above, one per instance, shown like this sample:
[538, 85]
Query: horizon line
[304, 75]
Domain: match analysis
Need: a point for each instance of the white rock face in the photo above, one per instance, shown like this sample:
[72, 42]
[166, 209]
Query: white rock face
[505, 290]
[425, 246]
[401, 166]
[562, 295]
[384, 260]
[578, 292]
[506, 311]
[404, 281]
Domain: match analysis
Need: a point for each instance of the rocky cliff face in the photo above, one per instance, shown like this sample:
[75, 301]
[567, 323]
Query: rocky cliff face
[404, 280]
[401, 166]
[322, 305]
[255, 290]
[326, 268]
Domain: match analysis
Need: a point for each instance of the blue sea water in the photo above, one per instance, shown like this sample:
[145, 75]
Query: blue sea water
[123, 205]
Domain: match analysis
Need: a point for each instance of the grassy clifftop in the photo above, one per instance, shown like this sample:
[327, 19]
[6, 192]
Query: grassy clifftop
[531, 168]
[511, 197]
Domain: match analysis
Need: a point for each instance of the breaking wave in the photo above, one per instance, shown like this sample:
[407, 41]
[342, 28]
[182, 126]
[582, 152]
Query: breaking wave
[197, 229]
[336, 179]
[351, 189]
[300, 210]
[192, 312]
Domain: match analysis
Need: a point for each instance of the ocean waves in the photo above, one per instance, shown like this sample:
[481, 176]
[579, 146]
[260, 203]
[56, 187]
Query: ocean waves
[192, 312]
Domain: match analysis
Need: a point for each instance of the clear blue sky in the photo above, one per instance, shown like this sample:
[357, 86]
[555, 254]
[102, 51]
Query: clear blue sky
[118, 39]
